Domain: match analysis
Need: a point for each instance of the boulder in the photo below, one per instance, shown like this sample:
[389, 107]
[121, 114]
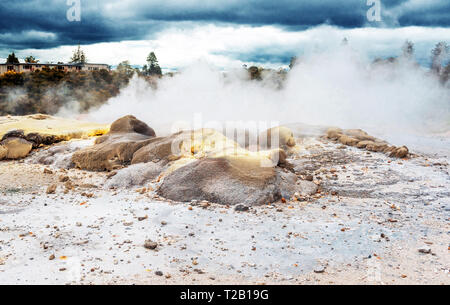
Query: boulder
[129, 124]
[186, 144]
[35, 138]
[334, 133]
[307, 188]
[111, 151]
[363, 144]
[359, 134]
[361, 139]
[285, 138]
[400, 152]
[376, 146]
[3, 152]
[15, 133]
[135, 175]
[229, 180]
[221, 180]
[157, 149]
[16, 147]
[116, 148]
[347, 140]
[43, 139]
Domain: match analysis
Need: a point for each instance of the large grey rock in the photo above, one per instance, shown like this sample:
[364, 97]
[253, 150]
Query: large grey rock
[230, 181]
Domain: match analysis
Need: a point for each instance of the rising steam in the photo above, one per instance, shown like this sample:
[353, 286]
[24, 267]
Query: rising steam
[339, 88]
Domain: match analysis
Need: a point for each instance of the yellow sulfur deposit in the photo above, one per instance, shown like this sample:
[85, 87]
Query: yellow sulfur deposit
[49, 125]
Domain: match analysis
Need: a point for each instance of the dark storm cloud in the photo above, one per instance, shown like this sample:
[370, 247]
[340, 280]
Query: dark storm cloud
[117, 20]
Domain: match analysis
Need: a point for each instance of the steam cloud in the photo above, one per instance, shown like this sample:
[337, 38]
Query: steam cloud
[333, 88]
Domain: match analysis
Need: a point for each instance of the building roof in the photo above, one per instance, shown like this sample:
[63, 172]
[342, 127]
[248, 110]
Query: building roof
[47, 64]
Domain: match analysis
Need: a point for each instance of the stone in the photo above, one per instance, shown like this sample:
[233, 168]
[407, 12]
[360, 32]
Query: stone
[15, 133]
[376, 146]
[116, 148]
[3, 152]
[186, 144]
[425, 250]
[51, 189]
[359, 134]
[129, 124]
[334, 133]
[16, 147]
[319, 269]
[401, 152]
[347, 140]
[134, 175]
[306, 188]
[283, 135]
[233, 180]
[63, 178]
[241, 208]
[47, 171]
[363, 144]
[151, 245]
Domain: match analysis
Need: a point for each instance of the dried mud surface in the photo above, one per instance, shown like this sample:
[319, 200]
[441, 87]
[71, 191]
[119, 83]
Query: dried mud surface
[365, 226]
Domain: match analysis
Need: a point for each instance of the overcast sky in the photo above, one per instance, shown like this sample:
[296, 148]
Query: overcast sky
[223, 32]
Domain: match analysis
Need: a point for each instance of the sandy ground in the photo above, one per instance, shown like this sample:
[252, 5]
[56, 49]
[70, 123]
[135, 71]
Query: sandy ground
[366, 226]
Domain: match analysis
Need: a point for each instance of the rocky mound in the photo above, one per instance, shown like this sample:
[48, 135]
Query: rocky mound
[232, 180]
[117, 147]
[360, 139]
[194, 165]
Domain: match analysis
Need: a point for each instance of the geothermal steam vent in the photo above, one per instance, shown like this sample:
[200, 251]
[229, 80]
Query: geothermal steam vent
[197, 165]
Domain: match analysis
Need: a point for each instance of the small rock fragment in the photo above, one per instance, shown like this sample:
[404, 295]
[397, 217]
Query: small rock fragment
[51, 189]
[150, 245]
[425, 250]
[241, 208]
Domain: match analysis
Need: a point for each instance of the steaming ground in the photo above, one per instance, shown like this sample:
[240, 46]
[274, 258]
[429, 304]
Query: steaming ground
[367, 226]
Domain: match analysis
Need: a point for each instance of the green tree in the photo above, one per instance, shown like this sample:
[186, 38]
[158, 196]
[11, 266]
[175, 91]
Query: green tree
[12, 59]
[255, 73]
[293, 62]
[408, 49]
[445, 75]
[31, 60]
[438, 55]
[145, 70]
[125, 68]
[78, 56]
[153, 65]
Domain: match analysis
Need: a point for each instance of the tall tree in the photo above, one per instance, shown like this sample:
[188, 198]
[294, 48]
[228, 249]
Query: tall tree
[78, 56]
[12, 59]
[293, 62]
[438, 55]
[153, 65]
[31, 60]
[408, 49]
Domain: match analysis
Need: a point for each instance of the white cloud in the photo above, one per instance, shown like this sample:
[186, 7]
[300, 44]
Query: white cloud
[184, 43]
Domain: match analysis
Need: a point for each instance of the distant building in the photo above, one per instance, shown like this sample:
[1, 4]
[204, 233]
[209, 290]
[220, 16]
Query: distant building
[29, 67]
